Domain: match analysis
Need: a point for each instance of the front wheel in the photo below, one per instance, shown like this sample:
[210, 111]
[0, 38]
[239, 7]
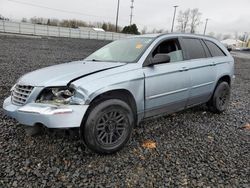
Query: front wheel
[220, 99]
[108, 126]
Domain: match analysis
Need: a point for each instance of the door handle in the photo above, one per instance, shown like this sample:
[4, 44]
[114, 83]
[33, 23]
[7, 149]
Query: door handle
[212, 64]
[183, 69]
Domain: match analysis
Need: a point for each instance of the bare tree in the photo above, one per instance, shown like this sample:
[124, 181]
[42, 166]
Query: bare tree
[157, 30]
[227, 36]
[219, 36]
[53, 22]
[183, 20]
[24, 20]
[195, 19]
[144, 30]
[38, 20]
[97, 24]
[112, 27]
[243, 37]
[236, 36]
[211, 34]
[73, 23]
[3, 18]
[246, 36]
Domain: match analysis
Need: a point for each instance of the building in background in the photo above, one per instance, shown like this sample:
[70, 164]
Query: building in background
[234, 43]
[91, 29]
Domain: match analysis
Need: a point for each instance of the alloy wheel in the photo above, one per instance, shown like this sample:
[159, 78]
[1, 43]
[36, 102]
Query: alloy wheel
[111, 127]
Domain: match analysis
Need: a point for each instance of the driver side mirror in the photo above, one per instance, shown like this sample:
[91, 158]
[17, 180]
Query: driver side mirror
[160, 58]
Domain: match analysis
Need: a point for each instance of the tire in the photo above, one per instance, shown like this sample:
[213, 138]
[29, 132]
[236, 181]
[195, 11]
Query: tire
[220, 99]
[108, 126]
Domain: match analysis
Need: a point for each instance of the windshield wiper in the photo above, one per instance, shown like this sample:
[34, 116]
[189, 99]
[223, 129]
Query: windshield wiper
[96, 60]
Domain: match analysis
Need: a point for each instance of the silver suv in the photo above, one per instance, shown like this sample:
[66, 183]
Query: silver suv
[117, 86]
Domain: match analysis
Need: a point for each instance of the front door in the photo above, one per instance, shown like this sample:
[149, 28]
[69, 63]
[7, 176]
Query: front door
[166, 85]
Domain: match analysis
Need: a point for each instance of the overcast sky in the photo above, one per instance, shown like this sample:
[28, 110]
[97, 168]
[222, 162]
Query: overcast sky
[225, 16]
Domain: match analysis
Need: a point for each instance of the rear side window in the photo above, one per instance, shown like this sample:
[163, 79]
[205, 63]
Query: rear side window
[206, 49]
[214, 49]
[194, 48]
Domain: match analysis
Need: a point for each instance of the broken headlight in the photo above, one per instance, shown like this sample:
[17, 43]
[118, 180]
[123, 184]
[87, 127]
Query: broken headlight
[57, 95]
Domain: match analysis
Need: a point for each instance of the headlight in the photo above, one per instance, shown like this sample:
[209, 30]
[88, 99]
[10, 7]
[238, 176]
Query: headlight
[58, 95]
[62, 93]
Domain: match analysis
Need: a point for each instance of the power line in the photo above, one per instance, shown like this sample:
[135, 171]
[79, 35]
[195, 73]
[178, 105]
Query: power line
[56, 9]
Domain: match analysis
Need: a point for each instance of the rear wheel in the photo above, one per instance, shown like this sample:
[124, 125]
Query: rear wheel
[220, 99]
[108, 126]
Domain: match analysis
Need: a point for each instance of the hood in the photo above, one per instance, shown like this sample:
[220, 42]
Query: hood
[61, 75]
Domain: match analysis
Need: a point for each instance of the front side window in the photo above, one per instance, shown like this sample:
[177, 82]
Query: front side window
[194, 48]
[170, 47]
[214, 49]
[125, 50]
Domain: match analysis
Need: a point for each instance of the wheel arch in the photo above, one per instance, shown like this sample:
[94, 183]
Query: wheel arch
[225, 78]
[122, 94]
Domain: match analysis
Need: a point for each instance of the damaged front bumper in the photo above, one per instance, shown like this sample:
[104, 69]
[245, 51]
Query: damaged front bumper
[51, 116]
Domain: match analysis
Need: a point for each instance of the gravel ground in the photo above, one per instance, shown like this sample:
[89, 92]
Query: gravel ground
[241, 54]
[194, 148]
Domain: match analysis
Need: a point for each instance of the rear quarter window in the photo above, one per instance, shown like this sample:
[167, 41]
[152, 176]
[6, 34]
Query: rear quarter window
[194, 48]
[214, 49]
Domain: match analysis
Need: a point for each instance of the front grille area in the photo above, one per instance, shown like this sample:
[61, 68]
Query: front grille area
[20, 94]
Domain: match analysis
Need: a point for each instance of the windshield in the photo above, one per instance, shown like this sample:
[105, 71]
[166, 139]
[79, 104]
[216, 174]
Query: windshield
[125, 50]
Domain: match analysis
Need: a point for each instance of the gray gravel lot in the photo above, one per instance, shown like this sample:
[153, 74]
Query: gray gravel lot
[194, 148]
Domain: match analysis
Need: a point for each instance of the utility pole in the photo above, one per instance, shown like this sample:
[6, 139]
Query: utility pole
[131, 14]
[245, 37]
[174, 18]
[117, 15]
[205, 27]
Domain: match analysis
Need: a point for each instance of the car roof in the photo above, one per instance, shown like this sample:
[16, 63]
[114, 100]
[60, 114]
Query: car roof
[156, 35]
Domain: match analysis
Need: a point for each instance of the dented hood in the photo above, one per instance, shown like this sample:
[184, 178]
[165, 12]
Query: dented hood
[61, 75]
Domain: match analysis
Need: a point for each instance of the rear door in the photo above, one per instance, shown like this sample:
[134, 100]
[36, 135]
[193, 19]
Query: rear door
[166, 85]
[201, 69]
[219, 57]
